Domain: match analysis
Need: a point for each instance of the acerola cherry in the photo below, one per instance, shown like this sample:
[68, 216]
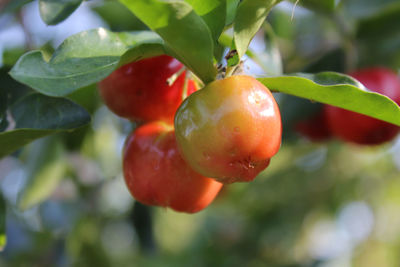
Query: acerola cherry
[230, 129]
[141, 90]
[156, 174]
[360, 129]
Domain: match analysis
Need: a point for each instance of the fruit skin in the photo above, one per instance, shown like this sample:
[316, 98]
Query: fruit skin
[140, 90]
[314, 128]
[156, 174]
[230, 129]
[360, 129]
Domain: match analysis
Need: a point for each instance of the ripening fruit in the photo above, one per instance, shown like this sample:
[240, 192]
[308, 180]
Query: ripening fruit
[156, 174]
[230, 129]
[361, 129]
[141, 91]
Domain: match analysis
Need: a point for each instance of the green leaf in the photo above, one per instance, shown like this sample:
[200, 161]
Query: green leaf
[231, 7]
[213, 13]
[382, 25]
[319, 5]
[11, 140]
[249, 17]
[55, 11]
[3, 237]
[87, 97]
[11, 56]
[12, 5]
[365, 8]
[10, 90]
[36, 116]
[380, 34]
[83, 59]
[338, 90]
[284, 27]
[186, 35]
[118, 17]
[46, 167]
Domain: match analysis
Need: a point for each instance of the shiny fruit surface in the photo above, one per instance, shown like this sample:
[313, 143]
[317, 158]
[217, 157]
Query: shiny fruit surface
[230, 129]
[156, 174]
[140, 90]
[360, 129]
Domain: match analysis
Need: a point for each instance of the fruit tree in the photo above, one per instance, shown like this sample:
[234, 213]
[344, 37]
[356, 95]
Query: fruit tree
[199, 133]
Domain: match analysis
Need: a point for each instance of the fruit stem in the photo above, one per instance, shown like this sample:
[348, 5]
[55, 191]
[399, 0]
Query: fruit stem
[199, 83]
[185, 86]
[230, 71]
[175, 76]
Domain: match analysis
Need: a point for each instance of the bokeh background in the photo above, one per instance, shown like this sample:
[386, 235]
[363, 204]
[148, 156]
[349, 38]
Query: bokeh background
[319, 204]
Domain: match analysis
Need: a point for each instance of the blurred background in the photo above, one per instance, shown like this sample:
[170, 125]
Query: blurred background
[318, 204]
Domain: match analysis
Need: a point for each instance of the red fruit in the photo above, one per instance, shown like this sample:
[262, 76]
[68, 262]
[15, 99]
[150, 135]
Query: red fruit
[156, 174]
[314, 128]
[140, 90]
[360, 129]
[230, 129]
